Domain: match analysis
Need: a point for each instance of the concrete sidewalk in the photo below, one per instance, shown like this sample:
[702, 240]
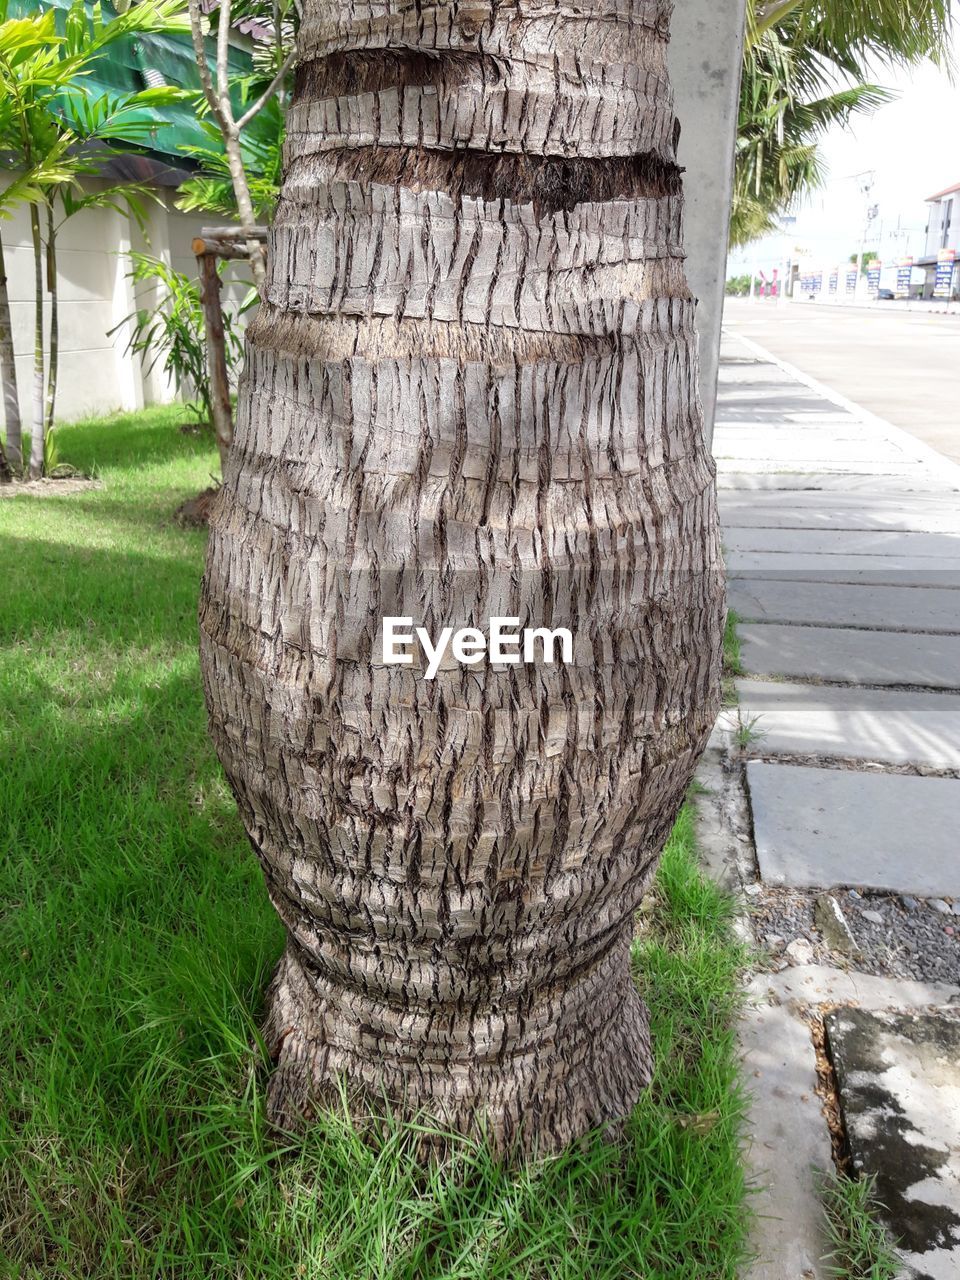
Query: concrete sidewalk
[836, 804]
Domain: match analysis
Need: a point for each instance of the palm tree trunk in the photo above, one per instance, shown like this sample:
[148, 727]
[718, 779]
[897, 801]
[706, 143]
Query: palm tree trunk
[36, 438]
[470, 392]
[54, 365]
[8, 376]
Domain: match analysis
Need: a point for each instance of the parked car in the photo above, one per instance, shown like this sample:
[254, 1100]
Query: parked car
[886, 295]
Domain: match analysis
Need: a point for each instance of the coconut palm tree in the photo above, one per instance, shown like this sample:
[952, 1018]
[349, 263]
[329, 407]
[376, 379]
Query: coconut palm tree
[807, 67]
[470, 394]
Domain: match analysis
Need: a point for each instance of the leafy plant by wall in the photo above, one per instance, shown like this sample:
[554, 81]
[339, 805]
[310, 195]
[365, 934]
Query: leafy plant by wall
[172, 333]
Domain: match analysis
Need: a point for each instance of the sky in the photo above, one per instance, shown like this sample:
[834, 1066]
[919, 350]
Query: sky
[912, 146]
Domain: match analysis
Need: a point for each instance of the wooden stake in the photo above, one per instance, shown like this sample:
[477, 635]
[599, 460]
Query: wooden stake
[220, 407]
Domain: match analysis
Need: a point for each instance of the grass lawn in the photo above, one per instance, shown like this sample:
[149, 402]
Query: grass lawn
[137, 941]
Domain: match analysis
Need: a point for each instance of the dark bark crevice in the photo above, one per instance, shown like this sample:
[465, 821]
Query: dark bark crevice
[382, 338]
[368, 70]
[552, 184]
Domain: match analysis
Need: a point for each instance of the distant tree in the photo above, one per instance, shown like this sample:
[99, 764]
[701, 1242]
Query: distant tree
[738, 286]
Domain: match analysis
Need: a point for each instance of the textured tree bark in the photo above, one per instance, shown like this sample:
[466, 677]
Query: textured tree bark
[37, 451]
[8, 375]
[53, 369]
[470, 392]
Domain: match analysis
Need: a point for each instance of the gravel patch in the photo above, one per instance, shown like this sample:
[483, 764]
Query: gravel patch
[894, 936]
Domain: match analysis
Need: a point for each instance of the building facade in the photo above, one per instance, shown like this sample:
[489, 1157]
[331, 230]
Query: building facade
[941, 258]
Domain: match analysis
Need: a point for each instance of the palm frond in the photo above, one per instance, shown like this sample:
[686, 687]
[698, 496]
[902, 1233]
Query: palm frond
[805, 70]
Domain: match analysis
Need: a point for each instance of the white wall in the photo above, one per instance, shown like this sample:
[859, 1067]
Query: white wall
[937, 212]
[94, 374]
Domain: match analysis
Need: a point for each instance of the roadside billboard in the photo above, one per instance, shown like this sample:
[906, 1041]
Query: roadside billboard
[943, 287]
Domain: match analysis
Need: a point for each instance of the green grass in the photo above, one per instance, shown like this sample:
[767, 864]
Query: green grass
[732, 664]
[859, 1246]
[137, 939]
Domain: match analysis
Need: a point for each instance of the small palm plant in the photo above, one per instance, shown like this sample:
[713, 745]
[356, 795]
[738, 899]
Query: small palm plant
[170, 332]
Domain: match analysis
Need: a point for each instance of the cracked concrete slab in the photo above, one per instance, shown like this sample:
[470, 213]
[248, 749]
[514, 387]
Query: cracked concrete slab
[896, 608]
[899, 1086]
[850, 723]
[788, 1139]
[721, 812]
[882, 831]
[850, 656]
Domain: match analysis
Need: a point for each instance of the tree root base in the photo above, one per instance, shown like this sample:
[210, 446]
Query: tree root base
[576, 1061]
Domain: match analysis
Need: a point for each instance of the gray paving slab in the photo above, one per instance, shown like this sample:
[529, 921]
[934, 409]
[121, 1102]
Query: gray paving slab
[816, 828]
[853, 724]
[899, 1088]
[818, 984]
[878, 571]
[757, 377]
[807, 429]
[841, 509]
[845, 542]
[780, 397]
[891, 608]
[804, 446]
[804, 428]
[823, 468]
[762, 415]
[788, 1145]
[849, 656]
[917, 484]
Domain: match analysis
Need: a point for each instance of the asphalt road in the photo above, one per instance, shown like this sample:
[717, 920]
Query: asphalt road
[903, 366]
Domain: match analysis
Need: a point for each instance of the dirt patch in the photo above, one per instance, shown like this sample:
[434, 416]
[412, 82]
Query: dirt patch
[49, 486]
[827, 1091]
